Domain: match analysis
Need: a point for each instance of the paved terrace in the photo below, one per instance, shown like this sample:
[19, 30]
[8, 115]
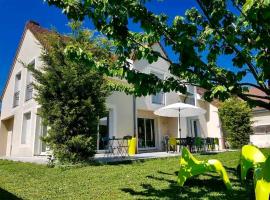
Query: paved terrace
[104, 158]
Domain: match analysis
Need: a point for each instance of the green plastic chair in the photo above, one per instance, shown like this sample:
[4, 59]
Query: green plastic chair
[190, 166]
[262, 180]
[250, 157]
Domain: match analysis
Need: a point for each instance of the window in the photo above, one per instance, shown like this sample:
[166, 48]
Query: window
[16, 97]
[262, 129]
[26, 129]
[190, 99]
[29, 84]
[159, 97]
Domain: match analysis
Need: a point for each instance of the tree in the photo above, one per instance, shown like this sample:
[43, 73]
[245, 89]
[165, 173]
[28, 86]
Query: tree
[71, 94]
[235, 115]
[236, 28]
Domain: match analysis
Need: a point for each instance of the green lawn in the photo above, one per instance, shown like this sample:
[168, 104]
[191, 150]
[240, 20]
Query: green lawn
[152, 179]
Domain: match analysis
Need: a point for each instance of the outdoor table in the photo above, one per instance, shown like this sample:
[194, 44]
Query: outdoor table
[181, 142]
[117, 147]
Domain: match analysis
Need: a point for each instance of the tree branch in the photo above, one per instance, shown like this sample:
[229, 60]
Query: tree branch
[250, 65]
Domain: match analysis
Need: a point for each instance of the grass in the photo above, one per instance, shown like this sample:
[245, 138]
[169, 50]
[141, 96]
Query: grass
[152, 179]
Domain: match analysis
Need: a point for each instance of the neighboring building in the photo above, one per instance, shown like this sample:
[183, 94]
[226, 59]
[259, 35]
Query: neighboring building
[261, 123]
[21, 127]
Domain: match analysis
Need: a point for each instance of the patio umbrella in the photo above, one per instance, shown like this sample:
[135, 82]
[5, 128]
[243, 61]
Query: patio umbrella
[179, 110]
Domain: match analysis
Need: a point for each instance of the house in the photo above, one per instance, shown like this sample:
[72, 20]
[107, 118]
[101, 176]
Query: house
[261, 123]
[21, 127]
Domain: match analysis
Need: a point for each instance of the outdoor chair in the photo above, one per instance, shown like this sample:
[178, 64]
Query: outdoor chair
[204, 143]
[262, 180]
[191, 144]
[210, 143]
[173, 144]
[250, 158]
[198, 144]
[190, 166]
[183, 142]
[216, 143]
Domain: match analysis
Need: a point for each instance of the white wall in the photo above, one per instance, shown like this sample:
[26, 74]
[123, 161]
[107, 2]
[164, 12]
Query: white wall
[122, 109]
[261, 141]
[30, 49]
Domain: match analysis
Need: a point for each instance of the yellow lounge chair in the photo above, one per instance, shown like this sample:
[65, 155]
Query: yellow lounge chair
[190, 166]
[250, 157]
[262, 180]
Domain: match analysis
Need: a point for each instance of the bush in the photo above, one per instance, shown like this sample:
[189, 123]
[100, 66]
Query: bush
[235, 115]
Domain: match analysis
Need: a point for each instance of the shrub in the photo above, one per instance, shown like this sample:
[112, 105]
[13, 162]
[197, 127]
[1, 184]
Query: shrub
[235, 115]
[72, 95]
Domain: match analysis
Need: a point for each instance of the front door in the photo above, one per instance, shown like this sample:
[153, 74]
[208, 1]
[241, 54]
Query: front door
[9, 143]
[9, 138]
[146, 133]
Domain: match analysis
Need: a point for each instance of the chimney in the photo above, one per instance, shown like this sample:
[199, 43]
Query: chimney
[32, 22]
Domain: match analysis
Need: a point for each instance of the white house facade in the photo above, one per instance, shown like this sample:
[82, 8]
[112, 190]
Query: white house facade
[261, 123]
[21, 127]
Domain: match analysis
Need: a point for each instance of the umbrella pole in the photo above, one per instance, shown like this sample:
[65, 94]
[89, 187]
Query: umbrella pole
[179, 127]
[179, 130]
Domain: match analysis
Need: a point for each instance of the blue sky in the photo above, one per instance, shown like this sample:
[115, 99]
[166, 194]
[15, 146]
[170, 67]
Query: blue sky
[15, 13]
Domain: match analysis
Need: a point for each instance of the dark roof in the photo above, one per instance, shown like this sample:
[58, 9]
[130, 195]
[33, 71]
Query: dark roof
[201, 92]
[257, 92]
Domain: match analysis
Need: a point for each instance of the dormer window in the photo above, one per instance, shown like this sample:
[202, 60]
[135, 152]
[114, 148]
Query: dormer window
[158, 98]
[16, 96]
[29, 83]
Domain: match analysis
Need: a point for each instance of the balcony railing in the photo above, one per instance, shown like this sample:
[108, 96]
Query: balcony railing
[29, 92]
[190, 100]
[16, 98]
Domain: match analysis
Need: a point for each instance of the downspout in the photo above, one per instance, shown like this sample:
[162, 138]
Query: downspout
[135, 122]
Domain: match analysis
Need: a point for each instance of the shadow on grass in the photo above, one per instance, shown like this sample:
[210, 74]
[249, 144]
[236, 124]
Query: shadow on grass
[207, 153]
[208, 186]
[7, 195]
[69, 166]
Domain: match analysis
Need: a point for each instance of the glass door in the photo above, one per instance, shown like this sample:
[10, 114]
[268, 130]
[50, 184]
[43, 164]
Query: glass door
[103, 132]
[194, 128]
[146, 133]
[43, 134]
[41, 131]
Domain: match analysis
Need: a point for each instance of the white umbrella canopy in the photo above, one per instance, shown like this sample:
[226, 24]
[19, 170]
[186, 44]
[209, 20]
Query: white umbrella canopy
[179, 110]
[186, 110]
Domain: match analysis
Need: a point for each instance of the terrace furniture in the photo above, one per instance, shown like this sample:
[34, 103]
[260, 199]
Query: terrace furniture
[216, 142]
[117, 147]
[198, 144]
[183, 142]
[191, 143]
[210, 143]
[166, 143]
[173, 144]
[262, 180]
[190, 166]
[250, 158]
